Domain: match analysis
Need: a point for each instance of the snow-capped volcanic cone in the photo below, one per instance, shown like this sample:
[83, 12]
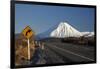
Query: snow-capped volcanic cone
[65, 30]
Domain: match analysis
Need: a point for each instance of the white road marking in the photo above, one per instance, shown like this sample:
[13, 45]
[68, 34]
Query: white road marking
[72, 53]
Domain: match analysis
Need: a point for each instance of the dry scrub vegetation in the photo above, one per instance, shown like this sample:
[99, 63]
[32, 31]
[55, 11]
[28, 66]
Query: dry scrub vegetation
[21, 50]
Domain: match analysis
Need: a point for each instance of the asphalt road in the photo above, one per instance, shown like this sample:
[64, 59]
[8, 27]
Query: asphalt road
[63, 53]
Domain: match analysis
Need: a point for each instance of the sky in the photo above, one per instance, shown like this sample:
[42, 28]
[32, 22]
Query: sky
[41, 18]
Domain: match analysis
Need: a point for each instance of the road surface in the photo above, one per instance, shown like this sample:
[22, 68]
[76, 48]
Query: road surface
[63, 53]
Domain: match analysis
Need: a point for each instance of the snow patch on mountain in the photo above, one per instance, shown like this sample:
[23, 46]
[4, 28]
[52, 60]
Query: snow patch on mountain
[87, 34]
